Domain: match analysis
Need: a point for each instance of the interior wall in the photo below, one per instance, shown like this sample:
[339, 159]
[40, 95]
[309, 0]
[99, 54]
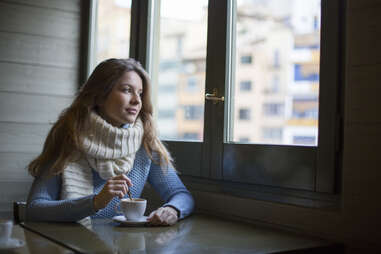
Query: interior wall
[39, 72]
[358, 220]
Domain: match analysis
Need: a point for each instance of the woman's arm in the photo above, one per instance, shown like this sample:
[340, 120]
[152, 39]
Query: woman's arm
[43, 202]
[171, 190]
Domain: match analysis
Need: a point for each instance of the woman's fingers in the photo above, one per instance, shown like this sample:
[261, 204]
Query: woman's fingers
[169, 217]
[119, 190]
[115, 187]
[162, 216]
[172, 219]
[123, 178]
[116, 193]
[154, 218]
[119, 183]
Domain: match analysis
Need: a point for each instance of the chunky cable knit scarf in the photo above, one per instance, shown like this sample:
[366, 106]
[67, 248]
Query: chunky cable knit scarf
[108, 150]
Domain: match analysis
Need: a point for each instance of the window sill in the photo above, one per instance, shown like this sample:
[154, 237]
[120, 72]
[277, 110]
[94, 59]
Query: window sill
[287, 196]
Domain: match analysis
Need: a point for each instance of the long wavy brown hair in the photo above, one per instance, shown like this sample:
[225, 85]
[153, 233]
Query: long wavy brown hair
[64, 137]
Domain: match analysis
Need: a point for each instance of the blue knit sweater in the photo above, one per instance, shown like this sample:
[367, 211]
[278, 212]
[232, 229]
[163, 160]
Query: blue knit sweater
[44, 202]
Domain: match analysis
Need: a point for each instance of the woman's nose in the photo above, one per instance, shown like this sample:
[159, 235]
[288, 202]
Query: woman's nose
[136, 99]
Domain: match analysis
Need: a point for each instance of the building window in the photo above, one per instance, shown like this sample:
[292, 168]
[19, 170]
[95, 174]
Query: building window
[244, 139]
[305, 108]
[311, 140]
[166, 113]
[275, 84]
[245, 85]
[244, 114]
[191, 136]
[276, 61]
[273, 109]
[306, 73]
[167, 88]
[193, 112]
[247, 59]
[272, 133]
[192, 84]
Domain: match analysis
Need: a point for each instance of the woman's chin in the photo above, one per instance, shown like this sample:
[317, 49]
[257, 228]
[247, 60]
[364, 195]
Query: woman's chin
[130, 119]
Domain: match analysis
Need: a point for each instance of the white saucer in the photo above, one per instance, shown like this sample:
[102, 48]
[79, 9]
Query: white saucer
[122, 220]
[12, 243]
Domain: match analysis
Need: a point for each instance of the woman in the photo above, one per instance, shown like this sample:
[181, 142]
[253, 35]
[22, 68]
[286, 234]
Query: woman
[103, 145]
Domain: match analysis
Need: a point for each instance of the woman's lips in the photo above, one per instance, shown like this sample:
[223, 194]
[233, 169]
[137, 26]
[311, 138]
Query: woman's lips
[132, 111]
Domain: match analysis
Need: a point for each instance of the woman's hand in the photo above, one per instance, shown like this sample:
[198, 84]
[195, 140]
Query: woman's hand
[114, 187]
[163, 216]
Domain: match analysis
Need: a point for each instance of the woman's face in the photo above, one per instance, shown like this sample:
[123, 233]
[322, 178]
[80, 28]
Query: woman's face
[124, 102]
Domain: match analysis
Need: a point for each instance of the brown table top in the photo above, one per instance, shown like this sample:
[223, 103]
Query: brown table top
[196, 234]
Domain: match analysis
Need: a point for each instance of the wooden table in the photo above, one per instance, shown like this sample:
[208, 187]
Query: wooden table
[196, 234]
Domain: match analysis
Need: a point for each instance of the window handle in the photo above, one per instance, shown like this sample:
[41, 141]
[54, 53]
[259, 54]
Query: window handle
[213, 96]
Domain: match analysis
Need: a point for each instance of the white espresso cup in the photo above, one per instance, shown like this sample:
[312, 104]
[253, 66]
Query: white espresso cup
[133, 209]
[5, 231]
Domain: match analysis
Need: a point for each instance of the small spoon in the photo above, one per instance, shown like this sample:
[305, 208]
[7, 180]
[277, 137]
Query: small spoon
[129, 194]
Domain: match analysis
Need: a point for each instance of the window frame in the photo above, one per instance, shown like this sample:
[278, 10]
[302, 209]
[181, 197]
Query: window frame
[203, 169]
[325, 165]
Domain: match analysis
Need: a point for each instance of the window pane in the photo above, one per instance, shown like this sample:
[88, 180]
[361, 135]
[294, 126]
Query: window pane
[179, 55]
[113, 29]
[277, 48]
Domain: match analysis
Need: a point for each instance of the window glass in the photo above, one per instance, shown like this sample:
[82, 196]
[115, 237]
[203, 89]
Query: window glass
[246, 59]
[179, 60]
[277, 47]
[245, 85]
[244, 114]
[112, 37]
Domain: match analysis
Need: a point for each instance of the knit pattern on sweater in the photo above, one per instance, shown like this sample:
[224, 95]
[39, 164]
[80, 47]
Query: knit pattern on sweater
[109, 150]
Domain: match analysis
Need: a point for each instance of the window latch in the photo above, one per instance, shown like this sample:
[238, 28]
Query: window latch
[213, 96]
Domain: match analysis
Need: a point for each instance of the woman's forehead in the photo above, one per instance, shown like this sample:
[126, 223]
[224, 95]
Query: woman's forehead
[131, 78]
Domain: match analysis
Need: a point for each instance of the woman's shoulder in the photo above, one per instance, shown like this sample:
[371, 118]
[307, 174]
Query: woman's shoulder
[142, 155]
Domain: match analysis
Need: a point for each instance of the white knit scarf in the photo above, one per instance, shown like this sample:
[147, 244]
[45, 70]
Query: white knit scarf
[108, 150]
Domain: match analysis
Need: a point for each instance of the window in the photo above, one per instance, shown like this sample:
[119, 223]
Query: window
[275, 84]
[179, 53]
[244, 139]
[245, 85]
[305, 108]
[284, 32]
[167, 88]
[244, 114]
[169, 113]
[273, 109]
[192, 84]
[246, 59]
[191, 136]
[294, 152]
[193, 112]
[305, 72]
[273, 134]
[112, 31]
[304, 140]
[276, 61]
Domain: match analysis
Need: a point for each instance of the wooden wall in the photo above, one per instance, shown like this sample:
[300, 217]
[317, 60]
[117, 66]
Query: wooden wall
[358, 221]
[39, 73]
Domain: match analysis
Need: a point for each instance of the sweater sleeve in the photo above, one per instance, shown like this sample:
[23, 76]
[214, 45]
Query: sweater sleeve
[43, 202]
[171, 190]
